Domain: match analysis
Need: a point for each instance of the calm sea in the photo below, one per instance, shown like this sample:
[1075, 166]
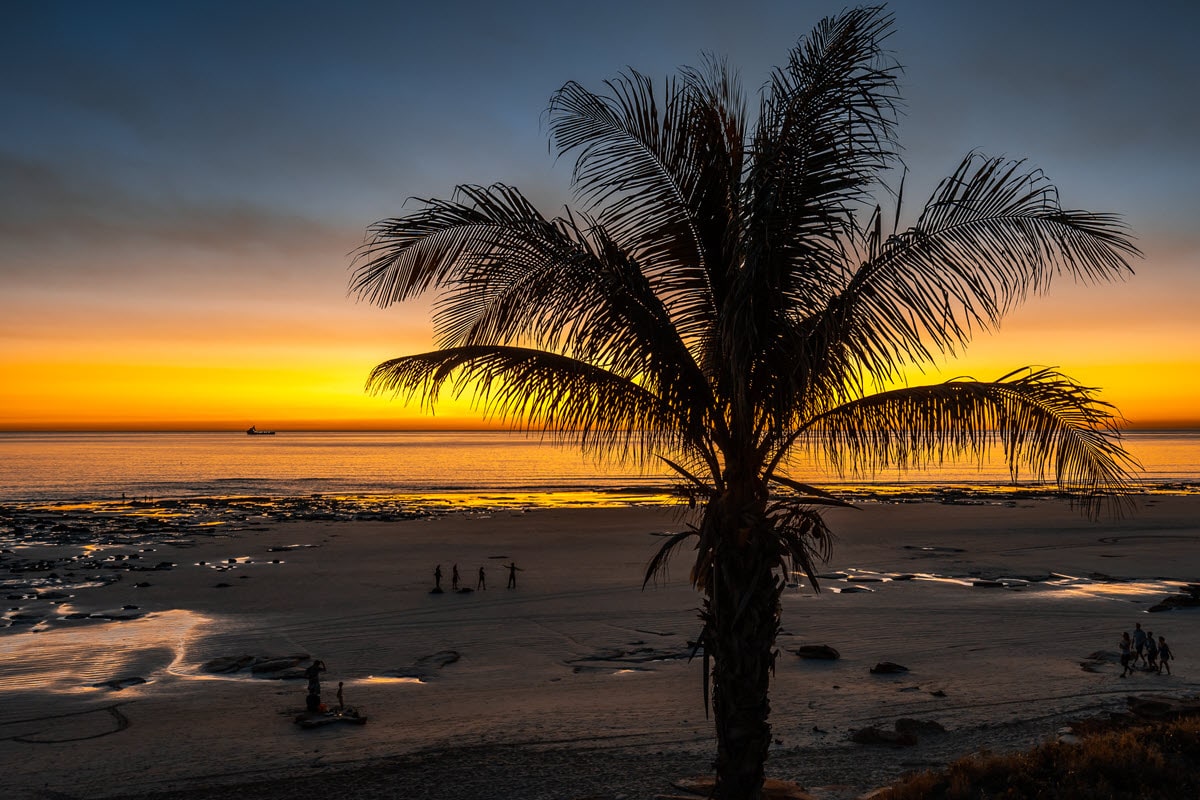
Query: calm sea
[107, 466]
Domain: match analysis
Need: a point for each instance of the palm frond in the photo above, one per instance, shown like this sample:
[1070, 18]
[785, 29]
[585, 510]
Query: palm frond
[992, 234]
[657, 567]
[826, 128]
[531, 389]
[811, 495]
[407, 256]
[804, 537]
[1042, 420]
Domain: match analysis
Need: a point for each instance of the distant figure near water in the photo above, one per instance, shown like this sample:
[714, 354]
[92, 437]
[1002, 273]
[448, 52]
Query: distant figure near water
[437, 578]
[482, 582]
[513, 569]
[454, 577]
[1126, 646]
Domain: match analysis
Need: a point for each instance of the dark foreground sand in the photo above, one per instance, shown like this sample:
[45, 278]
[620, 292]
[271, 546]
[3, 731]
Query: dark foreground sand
[576, 683]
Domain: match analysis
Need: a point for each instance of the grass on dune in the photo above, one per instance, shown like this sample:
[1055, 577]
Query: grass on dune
[1117, 760]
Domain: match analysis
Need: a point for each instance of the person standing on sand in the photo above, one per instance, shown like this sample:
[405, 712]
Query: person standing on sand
[1151, 652]
[313, 672]
[1139, 643]
[1164, 655]
[1125, 645]
[341, 701]
[437, 578]
[454, 577]
[513, 569]
[482, 582]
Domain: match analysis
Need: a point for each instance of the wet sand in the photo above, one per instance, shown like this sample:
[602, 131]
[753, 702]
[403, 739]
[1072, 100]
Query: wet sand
[576, 683]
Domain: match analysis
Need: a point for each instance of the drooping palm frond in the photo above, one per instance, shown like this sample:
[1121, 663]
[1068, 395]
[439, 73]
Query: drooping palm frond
[1043, 422]
[804, 537]
[809, 495]
[657, 566]
[512, 277]
[407, 256]
[991, 234]
[531, 389]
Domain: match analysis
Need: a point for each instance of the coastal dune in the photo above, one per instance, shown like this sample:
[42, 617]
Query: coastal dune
[577, 683]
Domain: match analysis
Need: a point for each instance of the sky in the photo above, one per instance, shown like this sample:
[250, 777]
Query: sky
[183, 185]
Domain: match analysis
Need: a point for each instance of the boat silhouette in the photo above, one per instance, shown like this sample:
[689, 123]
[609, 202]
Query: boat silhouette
[253, 431]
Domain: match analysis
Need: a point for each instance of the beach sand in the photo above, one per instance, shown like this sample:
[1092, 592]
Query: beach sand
[576, 684]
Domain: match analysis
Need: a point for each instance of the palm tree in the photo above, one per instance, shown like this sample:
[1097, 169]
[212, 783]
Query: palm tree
[728, 299]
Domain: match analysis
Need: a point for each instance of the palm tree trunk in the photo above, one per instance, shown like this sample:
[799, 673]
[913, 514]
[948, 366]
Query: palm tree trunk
[743, 609]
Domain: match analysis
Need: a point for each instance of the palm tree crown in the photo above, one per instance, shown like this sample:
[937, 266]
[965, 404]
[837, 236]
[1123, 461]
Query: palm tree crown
[728, 296]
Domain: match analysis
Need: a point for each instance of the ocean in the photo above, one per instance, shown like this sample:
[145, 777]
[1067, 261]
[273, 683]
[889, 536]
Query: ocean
[106, 467]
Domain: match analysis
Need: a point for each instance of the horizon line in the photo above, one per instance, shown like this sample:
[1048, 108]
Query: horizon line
[1193, 425]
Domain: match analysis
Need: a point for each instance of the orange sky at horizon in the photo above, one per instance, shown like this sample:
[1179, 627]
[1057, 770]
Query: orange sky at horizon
[294, 368]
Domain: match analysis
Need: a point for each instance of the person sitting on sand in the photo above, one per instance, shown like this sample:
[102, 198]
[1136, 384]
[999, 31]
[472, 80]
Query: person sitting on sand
[1139, 643]
[513, 569]
[482, 582]
[1125, 645]
[1164, 655]
[1151, 652]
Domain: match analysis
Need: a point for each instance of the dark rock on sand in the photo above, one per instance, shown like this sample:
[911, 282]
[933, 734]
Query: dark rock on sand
[1189, 597]
[1163, 707]
[117, 684]
[887, 668]
[873, 735]
[773, 789]
[227, 664]
[270, 667]
[277, 663]
[117, 614]
[919, 727]
[425, 666]
[818, 651]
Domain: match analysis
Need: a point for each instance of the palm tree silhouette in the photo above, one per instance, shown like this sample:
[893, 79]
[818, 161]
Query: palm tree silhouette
[728, 299]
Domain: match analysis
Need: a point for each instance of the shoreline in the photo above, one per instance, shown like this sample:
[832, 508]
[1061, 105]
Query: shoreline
[578, 659]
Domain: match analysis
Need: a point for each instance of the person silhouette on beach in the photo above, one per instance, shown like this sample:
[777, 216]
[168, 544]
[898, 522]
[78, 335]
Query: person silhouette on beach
[1139, 643]
[437, 578]
[1151, 652]
[1164, 656]
[482, 582]
[313, 672]
[1126, 646]
[341, 701]
[513, 569]
[454, 577]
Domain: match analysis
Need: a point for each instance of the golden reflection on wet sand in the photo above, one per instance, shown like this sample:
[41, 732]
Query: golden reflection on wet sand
[74, 659]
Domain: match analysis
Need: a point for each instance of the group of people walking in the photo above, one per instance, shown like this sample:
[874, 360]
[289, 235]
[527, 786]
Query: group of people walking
[1142, 646]
[480, 582]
